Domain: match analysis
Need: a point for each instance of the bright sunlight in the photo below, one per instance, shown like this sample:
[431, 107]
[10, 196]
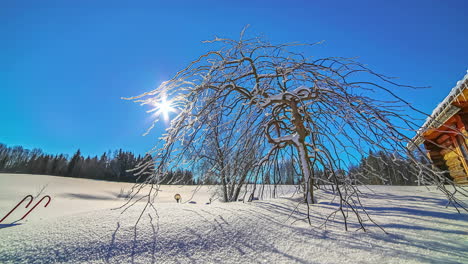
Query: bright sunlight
[164, 108]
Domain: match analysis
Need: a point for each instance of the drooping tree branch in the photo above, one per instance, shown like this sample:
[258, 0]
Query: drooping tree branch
[250, 103]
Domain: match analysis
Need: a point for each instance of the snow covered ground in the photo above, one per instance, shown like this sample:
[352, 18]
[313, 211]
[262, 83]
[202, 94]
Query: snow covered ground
[79, 226]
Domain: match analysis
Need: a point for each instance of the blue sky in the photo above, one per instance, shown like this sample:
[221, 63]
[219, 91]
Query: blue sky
[64, 65]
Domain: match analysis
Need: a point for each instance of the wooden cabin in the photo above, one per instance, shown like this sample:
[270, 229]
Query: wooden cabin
[445, 136]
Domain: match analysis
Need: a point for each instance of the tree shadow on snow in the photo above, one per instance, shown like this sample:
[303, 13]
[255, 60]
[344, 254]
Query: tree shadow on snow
[436, 242]
[215, 236]
[8, 225]
[86, 196]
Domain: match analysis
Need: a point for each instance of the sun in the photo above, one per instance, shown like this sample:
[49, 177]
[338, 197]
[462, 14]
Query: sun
[164, 107]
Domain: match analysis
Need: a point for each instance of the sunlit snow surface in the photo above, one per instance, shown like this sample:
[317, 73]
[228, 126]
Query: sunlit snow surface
[79, 227]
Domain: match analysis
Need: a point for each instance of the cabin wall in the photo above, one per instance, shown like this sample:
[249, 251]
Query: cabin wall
[454, 156]
[454, 164]
[448, 155]
[462, 178]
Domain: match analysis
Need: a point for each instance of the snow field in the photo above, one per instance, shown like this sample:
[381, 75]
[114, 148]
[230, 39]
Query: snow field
[80, 227]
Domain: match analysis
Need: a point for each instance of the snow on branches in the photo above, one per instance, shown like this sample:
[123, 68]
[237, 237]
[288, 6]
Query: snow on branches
[250, 105]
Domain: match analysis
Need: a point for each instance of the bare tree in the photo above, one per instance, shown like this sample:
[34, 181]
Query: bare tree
[229, 153]
[326, 114]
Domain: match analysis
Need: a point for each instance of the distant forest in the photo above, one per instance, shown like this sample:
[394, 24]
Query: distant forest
[110, 166]
[376, 169]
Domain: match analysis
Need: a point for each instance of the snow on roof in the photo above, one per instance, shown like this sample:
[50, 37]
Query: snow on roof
[441, 113]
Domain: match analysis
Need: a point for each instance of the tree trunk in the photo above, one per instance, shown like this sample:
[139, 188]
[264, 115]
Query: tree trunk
[303, 154]
[307, 174]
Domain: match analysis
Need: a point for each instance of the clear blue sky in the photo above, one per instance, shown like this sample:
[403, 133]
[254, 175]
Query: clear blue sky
[65, 64]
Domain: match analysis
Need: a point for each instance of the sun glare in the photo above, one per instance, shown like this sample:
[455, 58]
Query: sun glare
[164, 108]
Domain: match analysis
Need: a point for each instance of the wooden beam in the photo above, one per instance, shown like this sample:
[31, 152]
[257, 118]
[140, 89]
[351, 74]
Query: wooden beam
[460, 153]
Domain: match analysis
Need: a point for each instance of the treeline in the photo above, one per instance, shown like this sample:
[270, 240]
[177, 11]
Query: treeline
[376, 169]
[110, 166]
[283, 173]
[385, 169]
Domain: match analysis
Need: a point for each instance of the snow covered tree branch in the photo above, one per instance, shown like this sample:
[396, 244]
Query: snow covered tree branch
[250, 103]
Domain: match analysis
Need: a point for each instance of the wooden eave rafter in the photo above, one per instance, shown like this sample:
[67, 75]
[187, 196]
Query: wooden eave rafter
[452, 104]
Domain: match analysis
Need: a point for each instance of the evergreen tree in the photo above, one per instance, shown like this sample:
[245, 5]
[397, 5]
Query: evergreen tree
[74, 165]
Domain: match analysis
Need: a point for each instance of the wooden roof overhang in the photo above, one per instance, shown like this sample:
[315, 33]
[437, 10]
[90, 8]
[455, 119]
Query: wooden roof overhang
[444, 118]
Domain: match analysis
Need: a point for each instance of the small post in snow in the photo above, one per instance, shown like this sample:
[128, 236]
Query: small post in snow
[178, 197]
